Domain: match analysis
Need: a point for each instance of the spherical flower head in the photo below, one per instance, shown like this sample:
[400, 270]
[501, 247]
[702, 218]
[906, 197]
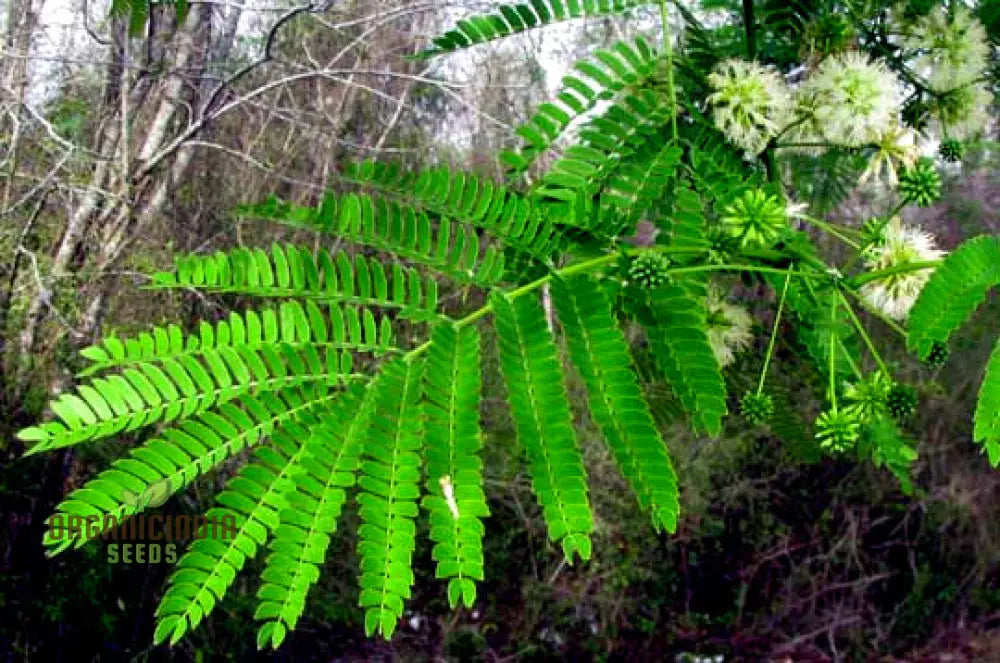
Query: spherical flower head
[963, 112]
[895, 294]
[757, 408]
[898, 148]
[853, 101]
[901, 401]
[837, 430]
[648, 270]
[729, 326]
[921, 184]
[755, 219]
[951, 150]
[750, 103]
[954, 47]
[868, 397]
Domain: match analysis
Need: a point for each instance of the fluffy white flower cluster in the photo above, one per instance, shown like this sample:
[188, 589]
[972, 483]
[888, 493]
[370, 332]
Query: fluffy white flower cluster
[953, 52]
[953, 49]
[847, 101]
[898, 147]
[750, 103]
[895, 294]
[963, 112]
[851, 101]
[729, 326]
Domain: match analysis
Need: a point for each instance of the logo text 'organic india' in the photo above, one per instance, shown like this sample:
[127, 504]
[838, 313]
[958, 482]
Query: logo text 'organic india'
[141, 528]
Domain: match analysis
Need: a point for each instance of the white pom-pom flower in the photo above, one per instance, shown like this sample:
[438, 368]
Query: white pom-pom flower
[900, 147]
[962, 113]
[729, 326]
[852, 101]
[954, 49]
[750, 103]
[900, 245]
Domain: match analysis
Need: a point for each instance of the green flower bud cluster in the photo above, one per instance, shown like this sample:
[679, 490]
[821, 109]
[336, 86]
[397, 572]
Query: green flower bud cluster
[951, 150]
[938, 355]
[920, 184]
[757, 408]
[838, 430]
[648, 270]
[901, 401]
[756, 219]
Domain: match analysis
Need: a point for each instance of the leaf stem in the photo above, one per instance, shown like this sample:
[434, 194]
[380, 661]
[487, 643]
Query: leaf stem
[744, 268]
[889, 322]
[594, 263]
[916, 266]
[774, 331]
[897, 209]
[833, 353]
[828, 227]
[480, 313]
[864, 333]
[750, 28]
[668, 50]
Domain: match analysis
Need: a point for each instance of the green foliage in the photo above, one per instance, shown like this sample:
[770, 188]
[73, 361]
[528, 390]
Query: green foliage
[507, 216]
[389, 482]
[289, 272]
[599, 352]
[606, 142]
[182, 453]
[826, 180]
[291, 326]
[887, 446]
[266, 352]
[247, 514]
[821, 335]
[610, 72]
[540, 406]
[953, 293]
[678, 335]
[510, 19]
[987, 418]
[687, 227]
[337, 404]
[639, 186]
[313, 505]
[388, 226]
[455, 501]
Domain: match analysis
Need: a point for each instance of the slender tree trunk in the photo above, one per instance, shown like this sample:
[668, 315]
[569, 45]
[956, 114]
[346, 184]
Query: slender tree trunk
[106, 216]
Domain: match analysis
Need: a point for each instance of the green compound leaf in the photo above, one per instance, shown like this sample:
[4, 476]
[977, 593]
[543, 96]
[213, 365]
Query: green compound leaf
[455, 501]
[955, 290]
[540, 405]
[987, 418]
[390, 487]
[600, 353]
